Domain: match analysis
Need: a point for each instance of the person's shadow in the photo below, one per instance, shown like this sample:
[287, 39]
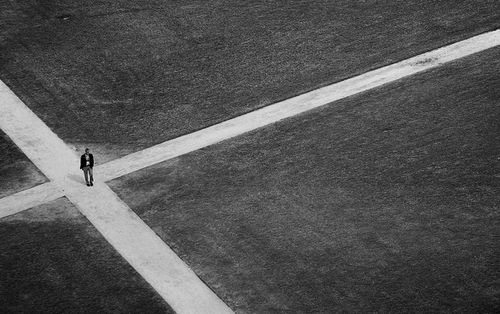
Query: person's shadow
[76, 178]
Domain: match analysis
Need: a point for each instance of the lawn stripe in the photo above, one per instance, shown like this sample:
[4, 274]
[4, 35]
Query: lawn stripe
[119, 225]
[29, 198]
[296, 105]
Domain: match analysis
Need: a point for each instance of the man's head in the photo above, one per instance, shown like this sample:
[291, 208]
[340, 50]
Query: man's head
[87, 150]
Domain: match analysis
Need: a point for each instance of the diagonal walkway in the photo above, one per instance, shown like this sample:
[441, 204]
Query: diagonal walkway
[296, 105]
[137, 243]
[121, 227]
[262, 117]
[29, 198]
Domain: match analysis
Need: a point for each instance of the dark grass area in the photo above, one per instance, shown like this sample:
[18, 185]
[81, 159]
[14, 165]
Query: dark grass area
[52, 260]
[123, 75]
[383, 202]
[17, 173]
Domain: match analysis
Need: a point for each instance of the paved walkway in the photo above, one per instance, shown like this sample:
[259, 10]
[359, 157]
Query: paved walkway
[128, 234]
[121, 227]
[296, 105]
[29, 198]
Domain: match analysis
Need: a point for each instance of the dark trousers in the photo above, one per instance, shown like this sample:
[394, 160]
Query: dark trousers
[86, 172]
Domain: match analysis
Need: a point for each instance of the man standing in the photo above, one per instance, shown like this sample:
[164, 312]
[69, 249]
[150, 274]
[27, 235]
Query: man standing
[86, 164]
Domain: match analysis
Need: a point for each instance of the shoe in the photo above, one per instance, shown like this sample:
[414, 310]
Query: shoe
[91, 184]
[88, 184]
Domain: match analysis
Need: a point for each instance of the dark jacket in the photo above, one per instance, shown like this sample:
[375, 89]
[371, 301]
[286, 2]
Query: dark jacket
[83, 161]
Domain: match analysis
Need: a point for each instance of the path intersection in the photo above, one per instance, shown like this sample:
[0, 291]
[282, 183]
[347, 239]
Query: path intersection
[120, 226]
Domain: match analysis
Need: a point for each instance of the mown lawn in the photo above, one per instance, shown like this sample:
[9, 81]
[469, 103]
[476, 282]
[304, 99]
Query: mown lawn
[53, 261]
[123, 75]
[16, 170]
[384, 202]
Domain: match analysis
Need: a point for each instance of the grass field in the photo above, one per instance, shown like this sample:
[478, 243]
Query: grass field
[16, 171]
[384, 202]
[54, 261]
[121, 76]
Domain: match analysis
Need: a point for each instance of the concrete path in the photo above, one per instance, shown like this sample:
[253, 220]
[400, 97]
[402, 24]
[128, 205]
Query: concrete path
[273, 113]
[296, 105]
[121, 227]
[29, 198]
[134, 240]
